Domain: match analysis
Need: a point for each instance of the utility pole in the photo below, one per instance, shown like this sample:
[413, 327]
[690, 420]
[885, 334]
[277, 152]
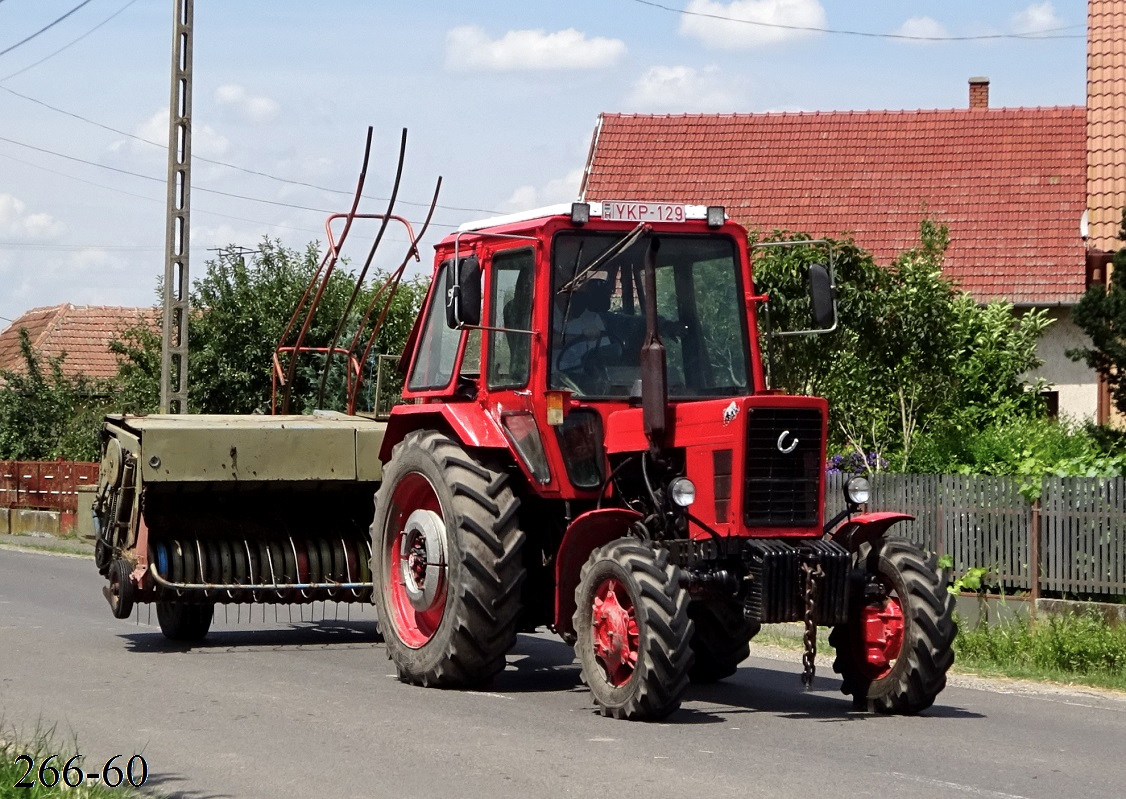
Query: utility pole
[174, 349]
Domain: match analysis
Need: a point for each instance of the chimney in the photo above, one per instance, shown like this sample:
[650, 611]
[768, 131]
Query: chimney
[979, 92]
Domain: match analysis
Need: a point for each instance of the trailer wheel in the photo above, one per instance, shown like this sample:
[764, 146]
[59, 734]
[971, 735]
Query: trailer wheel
[721, 640]
[121, 589]
[185, 621]
[447, 563]
[633, 631]
[895, 650]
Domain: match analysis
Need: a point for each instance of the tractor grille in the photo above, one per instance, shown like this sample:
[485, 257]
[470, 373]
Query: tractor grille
[782, 488]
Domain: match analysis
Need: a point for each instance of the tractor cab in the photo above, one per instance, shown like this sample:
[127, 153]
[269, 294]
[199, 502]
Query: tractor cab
[540, 320]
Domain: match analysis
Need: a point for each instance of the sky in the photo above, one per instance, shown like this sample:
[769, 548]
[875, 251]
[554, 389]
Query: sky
[500, 99]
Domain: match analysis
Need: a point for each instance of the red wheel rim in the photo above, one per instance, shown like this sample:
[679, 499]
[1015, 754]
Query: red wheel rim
[413, 626]
[881, 636]
[614, 631]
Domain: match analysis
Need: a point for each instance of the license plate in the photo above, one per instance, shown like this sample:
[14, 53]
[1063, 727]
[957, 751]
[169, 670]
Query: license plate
[643, 212]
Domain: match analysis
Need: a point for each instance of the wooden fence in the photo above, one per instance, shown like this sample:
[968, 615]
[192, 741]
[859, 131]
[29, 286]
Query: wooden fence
[1071, 541]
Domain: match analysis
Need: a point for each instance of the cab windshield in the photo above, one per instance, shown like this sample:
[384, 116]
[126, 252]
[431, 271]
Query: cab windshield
[598, 315]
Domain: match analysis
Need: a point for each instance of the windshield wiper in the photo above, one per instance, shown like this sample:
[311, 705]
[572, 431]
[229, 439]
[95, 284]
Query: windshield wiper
[613, 250]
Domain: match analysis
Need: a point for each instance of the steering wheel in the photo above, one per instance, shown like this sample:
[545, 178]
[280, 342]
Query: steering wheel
[592, 366]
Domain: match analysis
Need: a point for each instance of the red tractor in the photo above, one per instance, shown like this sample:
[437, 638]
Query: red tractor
[589, 444]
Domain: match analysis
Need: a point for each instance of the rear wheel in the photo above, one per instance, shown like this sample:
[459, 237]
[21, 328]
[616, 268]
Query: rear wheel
[633, 631]
[721, 640]
[895, 650]
[185, 621]
[447, 560]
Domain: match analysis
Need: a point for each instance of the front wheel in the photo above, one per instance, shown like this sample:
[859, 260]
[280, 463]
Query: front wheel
[895, 649]
[633, 631]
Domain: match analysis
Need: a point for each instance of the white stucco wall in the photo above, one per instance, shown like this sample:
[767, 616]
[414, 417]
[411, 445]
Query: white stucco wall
[1076, 383]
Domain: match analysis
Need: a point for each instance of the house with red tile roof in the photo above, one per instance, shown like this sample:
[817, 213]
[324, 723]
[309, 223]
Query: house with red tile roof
[80, 332]
[1032, 197]
[1009, 183]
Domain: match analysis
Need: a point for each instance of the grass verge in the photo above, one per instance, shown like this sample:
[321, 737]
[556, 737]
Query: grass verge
[1074, 648]
[37, 766]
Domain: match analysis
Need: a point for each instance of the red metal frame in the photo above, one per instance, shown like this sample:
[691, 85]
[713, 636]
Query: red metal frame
[314, 292]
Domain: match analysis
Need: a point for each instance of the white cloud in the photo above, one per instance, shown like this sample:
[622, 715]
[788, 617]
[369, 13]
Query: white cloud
[560, 190]
[251, 108]
[17, 222]
[925, 27]
[1036, 18]
[699, 22]
[682, 89]
[92, 260]
[470, 48]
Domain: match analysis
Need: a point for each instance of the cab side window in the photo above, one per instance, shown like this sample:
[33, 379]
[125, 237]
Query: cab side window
[437, 350]
[510, 307]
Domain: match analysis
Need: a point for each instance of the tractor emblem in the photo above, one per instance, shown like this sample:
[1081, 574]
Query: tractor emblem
[730, 413]
[783, 447]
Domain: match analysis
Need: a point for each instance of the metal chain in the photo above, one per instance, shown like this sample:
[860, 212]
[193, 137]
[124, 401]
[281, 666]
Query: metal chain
[813, 574]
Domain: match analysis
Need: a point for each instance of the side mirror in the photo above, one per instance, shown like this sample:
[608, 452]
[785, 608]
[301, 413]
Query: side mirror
[463, 293]
[822, 297]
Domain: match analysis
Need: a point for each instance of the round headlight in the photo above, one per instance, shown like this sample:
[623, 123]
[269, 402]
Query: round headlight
[858, 490]
[682, 491]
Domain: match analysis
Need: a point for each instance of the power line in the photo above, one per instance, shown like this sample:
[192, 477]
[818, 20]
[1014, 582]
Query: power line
[44, 29]
[69, 44]
[38, 245]
[245, 170]
[196, 188]
[1055, 32]
[104, 187]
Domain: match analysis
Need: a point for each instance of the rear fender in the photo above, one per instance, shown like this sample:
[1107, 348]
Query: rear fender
[585, 534]
[466, 422]
[865, 528]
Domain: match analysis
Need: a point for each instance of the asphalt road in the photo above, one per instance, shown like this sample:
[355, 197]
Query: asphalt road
[267, 709]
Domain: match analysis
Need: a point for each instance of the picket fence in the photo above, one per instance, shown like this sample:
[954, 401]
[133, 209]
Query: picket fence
[1071, 541]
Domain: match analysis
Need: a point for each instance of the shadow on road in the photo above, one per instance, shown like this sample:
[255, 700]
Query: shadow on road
[164, 785]
[313, 633]
[538, 664]
[780, 693]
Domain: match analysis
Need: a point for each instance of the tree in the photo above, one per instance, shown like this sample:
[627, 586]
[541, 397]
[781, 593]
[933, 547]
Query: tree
[240, 308]
[45, 414]
[137, 384]
[912, 354]
[1101, 314]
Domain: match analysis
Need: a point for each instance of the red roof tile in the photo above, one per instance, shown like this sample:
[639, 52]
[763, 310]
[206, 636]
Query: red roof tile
[81, 332]
[1010, 183]
[1106, 120]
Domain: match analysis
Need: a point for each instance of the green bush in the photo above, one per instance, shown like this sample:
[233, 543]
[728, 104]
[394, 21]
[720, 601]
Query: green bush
[1026, 447]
